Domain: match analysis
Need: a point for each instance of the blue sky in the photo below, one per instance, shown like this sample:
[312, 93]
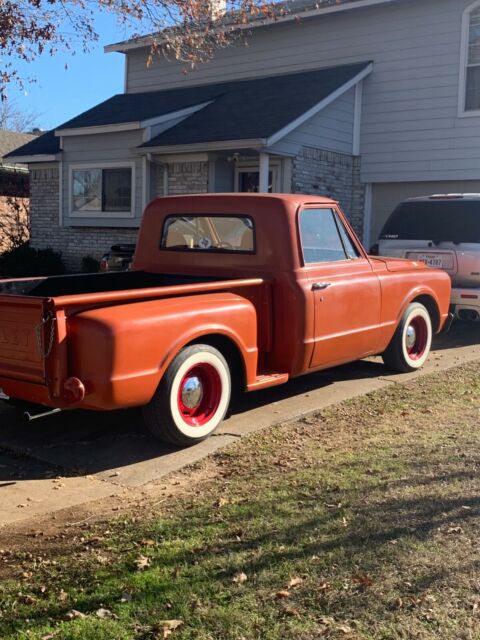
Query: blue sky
[58, 93]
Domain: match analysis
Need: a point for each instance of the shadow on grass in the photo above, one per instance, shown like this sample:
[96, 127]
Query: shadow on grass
[271, 531]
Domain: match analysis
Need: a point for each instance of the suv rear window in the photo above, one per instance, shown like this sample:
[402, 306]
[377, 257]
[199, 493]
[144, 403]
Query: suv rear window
[436, 220]
[209, 233]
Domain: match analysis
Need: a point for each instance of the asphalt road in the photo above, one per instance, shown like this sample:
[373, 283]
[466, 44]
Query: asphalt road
[75, 457]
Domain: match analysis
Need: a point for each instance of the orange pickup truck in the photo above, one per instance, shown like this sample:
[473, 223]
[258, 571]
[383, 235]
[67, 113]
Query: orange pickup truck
[226, 291]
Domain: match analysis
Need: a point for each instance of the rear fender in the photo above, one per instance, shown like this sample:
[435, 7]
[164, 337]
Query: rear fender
[121, 353]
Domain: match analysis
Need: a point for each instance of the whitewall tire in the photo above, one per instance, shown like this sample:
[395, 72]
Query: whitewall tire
[192, 398]
[412, 340]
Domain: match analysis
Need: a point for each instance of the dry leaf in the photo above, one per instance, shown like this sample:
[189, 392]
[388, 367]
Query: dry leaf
[291, 611]
[294, 582]
[283, 594]
[142, 562]
[344, 628]
[454, 530]
[147, 542]
[168, 627]
[365, 581]
[104, 614]
[240, 578]
[73, 614]
[62, 596]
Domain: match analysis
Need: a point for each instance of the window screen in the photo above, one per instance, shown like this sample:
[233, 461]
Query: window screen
[209, 233]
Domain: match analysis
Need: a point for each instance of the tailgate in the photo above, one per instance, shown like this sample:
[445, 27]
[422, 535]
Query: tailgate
[21, 338]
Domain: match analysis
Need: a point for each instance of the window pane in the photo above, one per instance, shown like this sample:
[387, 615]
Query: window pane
[117, 189]
[472, 99]
[320, 237]
[435, 220]
[351, 249]
[208, 233]
[249, 181]
[87, 189]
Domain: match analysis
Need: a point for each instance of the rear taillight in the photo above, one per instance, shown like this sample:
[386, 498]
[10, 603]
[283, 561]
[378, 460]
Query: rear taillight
[73, 390]
[104, 264]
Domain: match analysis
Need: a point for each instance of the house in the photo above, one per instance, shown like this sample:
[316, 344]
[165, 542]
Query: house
[367, 101]
[13, 184]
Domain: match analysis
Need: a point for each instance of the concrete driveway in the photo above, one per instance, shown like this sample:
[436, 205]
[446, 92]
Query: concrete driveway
[75, 457]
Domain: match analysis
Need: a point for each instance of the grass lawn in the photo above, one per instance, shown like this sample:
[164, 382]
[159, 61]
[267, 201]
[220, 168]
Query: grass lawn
[361, 521]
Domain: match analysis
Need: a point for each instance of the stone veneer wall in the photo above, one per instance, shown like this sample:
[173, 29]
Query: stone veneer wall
[183, 178]
[74, 243]
[335, 175]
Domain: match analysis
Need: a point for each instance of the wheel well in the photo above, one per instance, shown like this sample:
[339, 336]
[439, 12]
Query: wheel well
[230, 352]
[431, 306]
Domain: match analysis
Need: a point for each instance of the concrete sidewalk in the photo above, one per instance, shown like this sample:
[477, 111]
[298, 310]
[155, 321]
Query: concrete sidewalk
[75, 457]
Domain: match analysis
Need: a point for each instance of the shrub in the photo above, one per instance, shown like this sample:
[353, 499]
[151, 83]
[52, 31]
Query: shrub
[90, 265]
[25, 261]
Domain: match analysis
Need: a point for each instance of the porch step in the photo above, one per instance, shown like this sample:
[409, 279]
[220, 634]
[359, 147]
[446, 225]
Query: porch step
[268, 379]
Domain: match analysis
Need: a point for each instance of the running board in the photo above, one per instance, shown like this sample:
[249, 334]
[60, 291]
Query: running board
[265, 380]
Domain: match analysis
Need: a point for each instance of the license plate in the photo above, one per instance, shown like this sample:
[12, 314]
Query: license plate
[431, 260]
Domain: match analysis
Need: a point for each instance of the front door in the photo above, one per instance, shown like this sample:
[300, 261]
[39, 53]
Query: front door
[346, 291]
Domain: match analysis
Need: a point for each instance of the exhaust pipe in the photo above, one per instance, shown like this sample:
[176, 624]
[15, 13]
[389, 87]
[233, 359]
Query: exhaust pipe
[29, 417]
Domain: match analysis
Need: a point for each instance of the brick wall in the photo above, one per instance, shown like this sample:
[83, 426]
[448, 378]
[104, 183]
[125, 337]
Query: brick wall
[183, 178]
[331, 174]
[74, 243]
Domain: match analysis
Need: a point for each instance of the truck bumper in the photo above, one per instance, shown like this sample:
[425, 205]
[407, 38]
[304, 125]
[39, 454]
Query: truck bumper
[466, 304]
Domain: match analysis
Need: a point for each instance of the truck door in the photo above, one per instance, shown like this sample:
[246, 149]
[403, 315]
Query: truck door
[346, 291]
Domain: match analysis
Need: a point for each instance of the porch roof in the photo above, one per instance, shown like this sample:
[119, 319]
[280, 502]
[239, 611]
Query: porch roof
[244, 110]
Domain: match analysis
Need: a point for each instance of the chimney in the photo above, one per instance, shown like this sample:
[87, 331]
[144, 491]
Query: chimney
[218, 8]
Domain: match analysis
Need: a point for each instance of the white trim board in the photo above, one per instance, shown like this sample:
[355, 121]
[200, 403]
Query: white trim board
[319, 106]
[133, 125]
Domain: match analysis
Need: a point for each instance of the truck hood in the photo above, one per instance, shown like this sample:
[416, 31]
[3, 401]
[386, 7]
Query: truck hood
[398, 264]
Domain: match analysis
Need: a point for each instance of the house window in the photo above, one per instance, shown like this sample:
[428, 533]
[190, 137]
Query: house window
[102, 190]
[472, 89]
[469, 97]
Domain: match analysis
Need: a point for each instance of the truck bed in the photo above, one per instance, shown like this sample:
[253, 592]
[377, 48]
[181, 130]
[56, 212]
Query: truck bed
[56, 286]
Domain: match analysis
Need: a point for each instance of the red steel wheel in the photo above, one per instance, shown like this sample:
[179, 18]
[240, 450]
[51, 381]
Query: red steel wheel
[410, 346]
[192, 398]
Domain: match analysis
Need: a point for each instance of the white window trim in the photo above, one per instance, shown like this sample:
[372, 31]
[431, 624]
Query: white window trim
[462, 113]
[243, 166]
[94, 213]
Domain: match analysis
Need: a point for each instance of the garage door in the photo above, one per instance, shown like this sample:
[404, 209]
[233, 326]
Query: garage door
[385, 197]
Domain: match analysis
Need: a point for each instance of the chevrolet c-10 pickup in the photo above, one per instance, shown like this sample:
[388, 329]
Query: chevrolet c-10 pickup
[227, 291]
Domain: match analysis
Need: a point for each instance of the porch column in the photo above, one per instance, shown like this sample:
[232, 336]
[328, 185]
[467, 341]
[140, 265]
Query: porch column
[264, 171]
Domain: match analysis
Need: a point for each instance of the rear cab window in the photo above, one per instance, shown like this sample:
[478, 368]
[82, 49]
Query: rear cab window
[324, 238]
[209, 233]
[452, 220]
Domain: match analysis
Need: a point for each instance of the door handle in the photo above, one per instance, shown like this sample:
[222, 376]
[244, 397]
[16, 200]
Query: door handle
[318, 286]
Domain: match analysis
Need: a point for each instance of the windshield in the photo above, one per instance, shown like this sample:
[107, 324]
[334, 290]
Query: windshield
[436, 220]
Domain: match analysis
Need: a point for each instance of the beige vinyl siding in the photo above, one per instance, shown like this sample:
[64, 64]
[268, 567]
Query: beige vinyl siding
[330, 129]
[410, 128]
[95, 150]
[385, 197]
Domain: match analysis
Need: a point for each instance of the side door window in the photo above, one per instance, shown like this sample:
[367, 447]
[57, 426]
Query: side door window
[323, 238]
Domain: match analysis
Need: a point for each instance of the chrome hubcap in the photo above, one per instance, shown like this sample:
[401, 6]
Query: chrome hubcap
[411, 337]
[192, 392]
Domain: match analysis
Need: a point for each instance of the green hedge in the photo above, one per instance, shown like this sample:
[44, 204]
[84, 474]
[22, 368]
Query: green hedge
[25, 261]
